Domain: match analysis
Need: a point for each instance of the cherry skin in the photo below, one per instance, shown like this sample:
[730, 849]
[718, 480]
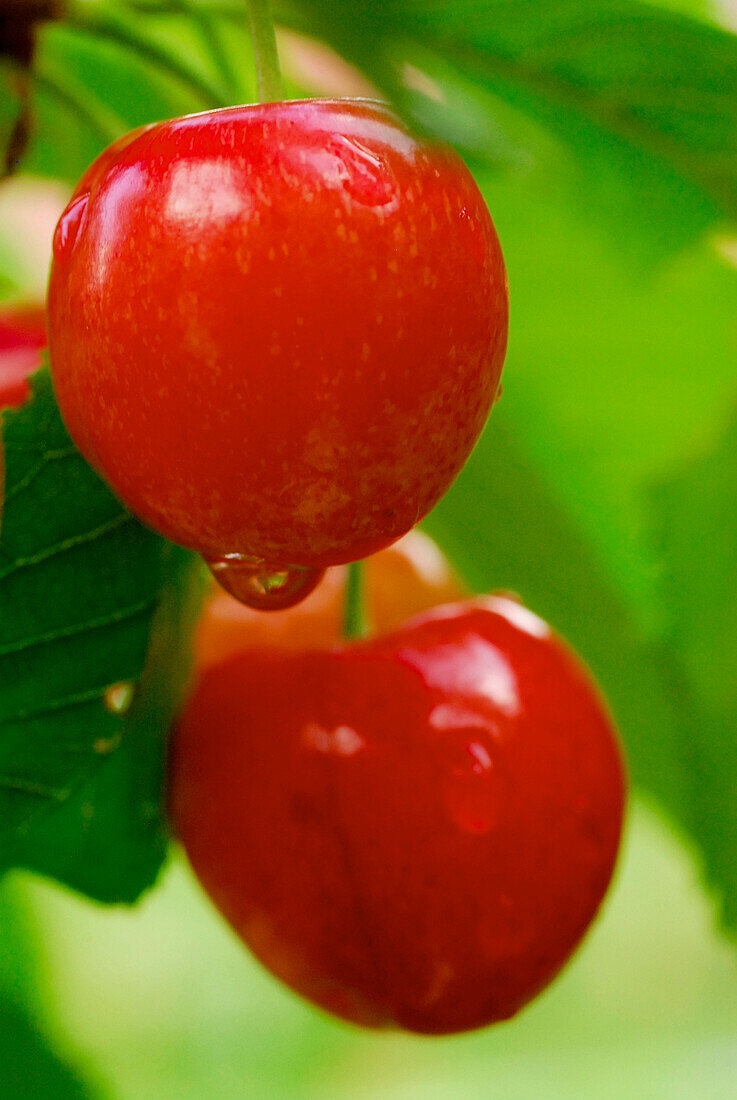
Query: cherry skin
[413, 831]
[411, 576]
[277, 330]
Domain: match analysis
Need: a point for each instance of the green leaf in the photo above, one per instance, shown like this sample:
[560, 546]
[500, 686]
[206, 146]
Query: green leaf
[697, 536]
[638, 92]
[613, 374]
[30, 1068]
[105, 22]
[96, 616]
[103, 71]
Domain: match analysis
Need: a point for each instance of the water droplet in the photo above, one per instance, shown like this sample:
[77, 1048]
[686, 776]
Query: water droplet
[118, 698]
[262, 585]
[69, 225]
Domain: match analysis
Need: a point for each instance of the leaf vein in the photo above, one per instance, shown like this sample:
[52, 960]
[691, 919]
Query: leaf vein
[68, 544]
[34, 471]
[28, 786]
[131, 612]
[55, 705]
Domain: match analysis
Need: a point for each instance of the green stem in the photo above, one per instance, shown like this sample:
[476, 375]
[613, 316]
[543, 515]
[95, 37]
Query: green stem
[268, 73]
[355, 622]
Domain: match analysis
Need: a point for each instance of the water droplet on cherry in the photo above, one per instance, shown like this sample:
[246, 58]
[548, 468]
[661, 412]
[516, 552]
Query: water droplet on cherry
[69, 225]
[471, 789]
[263, 585]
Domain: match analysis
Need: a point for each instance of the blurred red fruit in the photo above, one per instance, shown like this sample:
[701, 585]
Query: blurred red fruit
[413, 831]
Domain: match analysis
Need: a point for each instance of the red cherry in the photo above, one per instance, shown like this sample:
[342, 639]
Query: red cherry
[22, 338]
[415, 830]
[277, 330]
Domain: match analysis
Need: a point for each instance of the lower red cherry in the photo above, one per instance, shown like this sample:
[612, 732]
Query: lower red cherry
[413, 831]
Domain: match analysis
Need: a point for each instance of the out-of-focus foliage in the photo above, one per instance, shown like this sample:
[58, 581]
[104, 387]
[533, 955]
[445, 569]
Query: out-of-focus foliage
[28, 1068]
[697, 529]
[163, 1002]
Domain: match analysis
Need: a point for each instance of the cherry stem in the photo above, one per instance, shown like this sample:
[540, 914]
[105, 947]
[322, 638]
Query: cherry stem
[268, 74]
[355, 622]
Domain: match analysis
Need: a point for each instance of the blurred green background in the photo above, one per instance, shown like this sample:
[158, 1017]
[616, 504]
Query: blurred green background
[604, 135]
[164, 1002]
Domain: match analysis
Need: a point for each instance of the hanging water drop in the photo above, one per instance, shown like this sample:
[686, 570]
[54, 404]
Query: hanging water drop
[263, 585]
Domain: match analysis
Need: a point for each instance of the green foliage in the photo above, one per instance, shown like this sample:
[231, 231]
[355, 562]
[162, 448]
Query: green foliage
[697, 532]
[102, 72]
[164, 1003]
[30, 1070]
[93, 644]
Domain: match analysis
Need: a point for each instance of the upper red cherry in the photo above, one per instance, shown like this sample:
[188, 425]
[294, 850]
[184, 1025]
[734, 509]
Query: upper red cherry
[415, 830]
[277, 330]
